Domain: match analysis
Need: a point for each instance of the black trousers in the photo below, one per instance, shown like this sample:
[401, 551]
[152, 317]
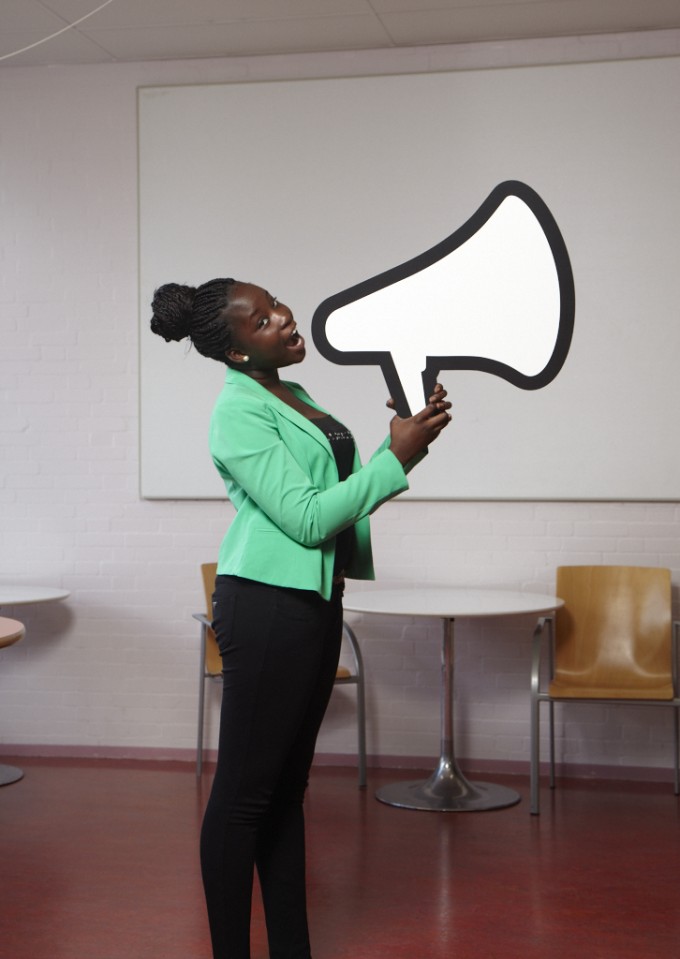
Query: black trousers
[280, 651]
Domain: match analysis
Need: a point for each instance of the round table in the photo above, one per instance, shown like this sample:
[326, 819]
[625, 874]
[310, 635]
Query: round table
[11, 631]
[447, 789]
[23, 595]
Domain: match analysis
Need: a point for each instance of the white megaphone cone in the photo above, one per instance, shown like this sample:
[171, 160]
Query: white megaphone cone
[497, 296]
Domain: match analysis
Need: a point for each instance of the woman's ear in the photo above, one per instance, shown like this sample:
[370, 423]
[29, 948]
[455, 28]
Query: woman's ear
[236, 356]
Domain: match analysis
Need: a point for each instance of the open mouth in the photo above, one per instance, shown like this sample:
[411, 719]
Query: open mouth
[294, 337]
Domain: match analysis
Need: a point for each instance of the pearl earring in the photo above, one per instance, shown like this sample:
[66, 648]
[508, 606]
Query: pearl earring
[246, 359]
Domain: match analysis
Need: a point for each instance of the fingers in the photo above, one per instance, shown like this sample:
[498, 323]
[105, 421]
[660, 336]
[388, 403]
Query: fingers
[438, 399]
[436, 404]
[440, 420]
[438, 396]
[433, 411]
[432, 423]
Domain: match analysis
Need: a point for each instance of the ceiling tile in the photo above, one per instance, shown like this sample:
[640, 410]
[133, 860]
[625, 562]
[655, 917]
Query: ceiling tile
[68, 47]
[244, 38]
[131, 13]
[420, 6]
[22, 15]
[528, 19]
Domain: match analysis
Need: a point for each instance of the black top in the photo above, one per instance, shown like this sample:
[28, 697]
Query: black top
[342, 444]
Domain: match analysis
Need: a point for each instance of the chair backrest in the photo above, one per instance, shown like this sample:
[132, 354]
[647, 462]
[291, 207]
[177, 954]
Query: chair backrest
[213, 661]
[613, 636]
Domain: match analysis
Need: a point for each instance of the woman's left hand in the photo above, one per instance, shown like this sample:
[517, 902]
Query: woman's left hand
[437, 401]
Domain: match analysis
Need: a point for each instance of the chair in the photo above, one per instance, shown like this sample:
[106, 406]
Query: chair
[210, 669]
[614, 641]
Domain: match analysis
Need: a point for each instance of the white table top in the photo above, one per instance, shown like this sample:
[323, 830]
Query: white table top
[22, 595]
[449, 602]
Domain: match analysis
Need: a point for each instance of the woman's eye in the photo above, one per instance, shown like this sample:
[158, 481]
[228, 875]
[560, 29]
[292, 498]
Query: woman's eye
[264, 321]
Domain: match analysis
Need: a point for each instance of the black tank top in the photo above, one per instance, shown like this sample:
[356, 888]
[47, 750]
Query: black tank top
[342, 444]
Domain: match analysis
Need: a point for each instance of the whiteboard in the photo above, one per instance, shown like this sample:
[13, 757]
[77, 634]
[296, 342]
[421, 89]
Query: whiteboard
[308, 187]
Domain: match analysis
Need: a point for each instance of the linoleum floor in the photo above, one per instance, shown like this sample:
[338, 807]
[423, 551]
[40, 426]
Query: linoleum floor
[99, 861]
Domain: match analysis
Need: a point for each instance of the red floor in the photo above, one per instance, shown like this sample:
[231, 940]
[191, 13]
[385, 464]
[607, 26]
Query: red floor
[99, 861]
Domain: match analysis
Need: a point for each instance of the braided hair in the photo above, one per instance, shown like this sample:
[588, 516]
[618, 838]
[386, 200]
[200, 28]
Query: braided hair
[197, 312]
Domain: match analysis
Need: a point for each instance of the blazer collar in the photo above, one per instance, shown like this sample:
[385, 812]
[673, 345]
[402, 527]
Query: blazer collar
[237, 378]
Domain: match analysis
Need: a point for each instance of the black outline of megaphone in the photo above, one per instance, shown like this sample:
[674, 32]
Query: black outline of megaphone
[436, 363]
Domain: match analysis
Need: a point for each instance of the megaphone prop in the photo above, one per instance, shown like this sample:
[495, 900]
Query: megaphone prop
[497, 295]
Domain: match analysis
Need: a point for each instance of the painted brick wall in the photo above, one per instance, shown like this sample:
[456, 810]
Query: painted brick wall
[115, 668]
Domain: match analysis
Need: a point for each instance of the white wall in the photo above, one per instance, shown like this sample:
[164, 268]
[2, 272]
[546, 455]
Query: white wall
[320, 177]
[114, 669]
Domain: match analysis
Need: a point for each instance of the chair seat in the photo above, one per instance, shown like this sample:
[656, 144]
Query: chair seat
[560, 691]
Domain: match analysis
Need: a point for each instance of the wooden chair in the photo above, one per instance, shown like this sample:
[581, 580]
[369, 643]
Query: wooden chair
[210, 669]
[614, 641]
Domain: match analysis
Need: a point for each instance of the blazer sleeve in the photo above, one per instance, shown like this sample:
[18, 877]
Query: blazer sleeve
[251, 452]
[411, 463]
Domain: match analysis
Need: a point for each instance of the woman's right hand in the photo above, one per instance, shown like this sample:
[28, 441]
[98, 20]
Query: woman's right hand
[411, 436]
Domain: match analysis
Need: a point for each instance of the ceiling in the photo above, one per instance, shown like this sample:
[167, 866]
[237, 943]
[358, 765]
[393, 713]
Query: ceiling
[126, 30]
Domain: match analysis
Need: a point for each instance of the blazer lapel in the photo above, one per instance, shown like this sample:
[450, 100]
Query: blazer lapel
[287, 412]
[302, 421]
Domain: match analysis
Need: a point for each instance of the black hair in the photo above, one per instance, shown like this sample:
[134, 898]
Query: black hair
[197, 312]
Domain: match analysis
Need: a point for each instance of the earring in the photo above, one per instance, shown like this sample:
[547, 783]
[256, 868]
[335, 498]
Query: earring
[246, 359]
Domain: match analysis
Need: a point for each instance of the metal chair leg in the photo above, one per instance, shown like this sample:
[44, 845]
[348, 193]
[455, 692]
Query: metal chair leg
[676, 747]
[361, 731]
[676, 709]
[535, 758]
[551, 705]
[201, 702]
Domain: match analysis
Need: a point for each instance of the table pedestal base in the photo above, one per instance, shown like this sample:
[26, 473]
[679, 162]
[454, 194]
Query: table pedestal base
[10, 774]
[447, 790]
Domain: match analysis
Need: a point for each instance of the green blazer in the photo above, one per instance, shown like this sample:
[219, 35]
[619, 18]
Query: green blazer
[280, 474]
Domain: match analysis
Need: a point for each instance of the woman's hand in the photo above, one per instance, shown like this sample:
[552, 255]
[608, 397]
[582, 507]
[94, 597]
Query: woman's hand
[414, 434]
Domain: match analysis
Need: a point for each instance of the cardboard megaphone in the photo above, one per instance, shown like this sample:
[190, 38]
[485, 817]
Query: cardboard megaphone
[497, 295]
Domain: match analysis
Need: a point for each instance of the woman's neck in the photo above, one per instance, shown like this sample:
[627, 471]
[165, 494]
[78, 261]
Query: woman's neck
[268, 378]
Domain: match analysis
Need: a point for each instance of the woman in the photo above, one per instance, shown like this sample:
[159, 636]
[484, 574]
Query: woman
[302, 503]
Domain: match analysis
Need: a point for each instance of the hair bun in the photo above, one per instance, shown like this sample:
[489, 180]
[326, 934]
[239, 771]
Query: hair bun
[172, 306]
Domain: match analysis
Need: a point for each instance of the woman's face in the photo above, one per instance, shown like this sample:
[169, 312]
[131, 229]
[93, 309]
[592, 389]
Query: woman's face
[262, 329]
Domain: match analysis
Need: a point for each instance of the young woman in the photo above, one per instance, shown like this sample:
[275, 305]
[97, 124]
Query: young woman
[302, 502]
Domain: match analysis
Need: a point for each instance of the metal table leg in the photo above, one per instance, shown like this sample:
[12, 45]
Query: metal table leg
[447, 789]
